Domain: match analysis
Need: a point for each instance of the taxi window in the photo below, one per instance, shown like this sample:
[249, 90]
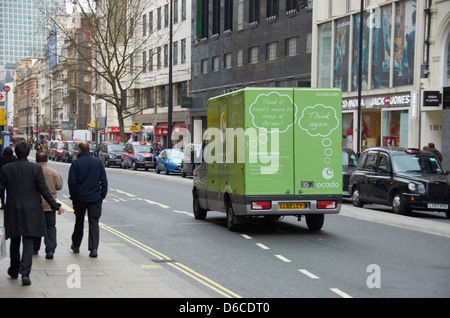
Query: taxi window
[371, 163]
[384, 164]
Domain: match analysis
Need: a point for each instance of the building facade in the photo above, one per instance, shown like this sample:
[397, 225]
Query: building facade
[237, 44]
[400, 66]
[23, 31]
[150, 92]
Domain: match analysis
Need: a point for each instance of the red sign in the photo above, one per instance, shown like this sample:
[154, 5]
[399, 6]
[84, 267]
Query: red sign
[6, 88]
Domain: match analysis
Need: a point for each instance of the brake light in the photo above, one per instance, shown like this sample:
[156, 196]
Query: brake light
[261, 205]
[326, 204]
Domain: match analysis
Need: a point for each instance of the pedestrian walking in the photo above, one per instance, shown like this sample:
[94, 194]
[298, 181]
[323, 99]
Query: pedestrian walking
[54, 183]
[436, 152]
[88, 186]
[24, 220]
[7, 157]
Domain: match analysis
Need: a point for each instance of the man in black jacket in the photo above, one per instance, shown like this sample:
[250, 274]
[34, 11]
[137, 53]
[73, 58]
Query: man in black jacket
[24, 219]
[88, 187]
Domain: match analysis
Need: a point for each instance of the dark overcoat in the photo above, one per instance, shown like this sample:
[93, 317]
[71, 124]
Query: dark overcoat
[24, 182]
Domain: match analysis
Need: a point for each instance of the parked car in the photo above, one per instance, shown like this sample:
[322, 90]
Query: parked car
[191, 158]
[349, 163]
[68, 148]
[404, 178]
[138, 154]
[110, 153]
[55, 150]
[169, 160]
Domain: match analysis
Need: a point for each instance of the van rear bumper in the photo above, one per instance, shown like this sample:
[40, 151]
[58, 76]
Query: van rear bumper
[288, 205]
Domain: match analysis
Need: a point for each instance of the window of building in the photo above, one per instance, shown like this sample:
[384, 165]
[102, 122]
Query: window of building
[183, 51]
[183, 10]
[204, 66]
[271, 51]
[144, 61]
[253, 55]
[159, 18]
[228, 18]
[253, 12]
[150, 21]
[203, 20]
[150, 58]
[166, 55]
[175, 11]
[272, 8]
[144, 25]
[166, 15]
[175, 53]
[324, 56]
[227, 61]
[291, 46]
[240, 58]
[240, 18]
[216, 17]
[216, 64]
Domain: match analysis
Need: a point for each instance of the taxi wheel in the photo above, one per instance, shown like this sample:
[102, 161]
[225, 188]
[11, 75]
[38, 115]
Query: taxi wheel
[356, 199]
[398, 205]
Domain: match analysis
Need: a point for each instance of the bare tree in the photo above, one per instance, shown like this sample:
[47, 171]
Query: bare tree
[104, 43]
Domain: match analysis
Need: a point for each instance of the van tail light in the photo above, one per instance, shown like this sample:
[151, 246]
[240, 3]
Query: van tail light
[326, 204]
[261, 205]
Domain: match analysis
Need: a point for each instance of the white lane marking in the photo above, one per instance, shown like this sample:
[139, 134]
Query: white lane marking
[284, 259]
[246, 236]
[263, 246]
[308, 273]
[340, 293]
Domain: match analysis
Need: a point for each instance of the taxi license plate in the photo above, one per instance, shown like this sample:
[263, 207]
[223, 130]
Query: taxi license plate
[291, 206]
[437, 206]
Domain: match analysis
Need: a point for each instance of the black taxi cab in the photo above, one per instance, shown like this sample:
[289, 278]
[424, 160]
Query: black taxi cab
[138, 154]
[404, 178]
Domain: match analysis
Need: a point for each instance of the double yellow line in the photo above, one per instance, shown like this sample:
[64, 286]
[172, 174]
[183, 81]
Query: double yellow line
[161, 257]
[182, 268]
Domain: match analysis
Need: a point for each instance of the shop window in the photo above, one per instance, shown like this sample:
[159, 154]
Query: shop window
[405, 30]
[395, 128]
[341, 54]
[381, 47]
[324, 55]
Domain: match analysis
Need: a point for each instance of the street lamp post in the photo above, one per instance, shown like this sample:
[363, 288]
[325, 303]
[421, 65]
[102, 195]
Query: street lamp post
[360, 55]
[170, 105]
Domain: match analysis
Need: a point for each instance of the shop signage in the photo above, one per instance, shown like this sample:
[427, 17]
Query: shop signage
[431, 98]
[379, 101]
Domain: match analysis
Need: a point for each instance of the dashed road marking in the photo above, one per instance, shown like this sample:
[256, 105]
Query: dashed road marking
[340, 293]
[284, 259]
[263, 246]
[308, 273]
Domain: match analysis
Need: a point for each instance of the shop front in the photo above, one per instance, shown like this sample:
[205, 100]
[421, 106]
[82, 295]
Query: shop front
[384, 121]
[113, 134]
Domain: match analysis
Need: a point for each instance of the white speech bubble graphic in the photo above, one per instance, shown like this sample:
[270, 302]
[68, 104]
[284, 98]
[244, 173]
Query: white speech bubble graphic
[273, 112]
[319, 120]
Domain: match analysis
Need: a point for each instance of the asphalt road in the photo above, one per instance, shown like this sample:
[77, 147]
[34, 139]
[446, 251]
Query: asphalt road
[365, 252]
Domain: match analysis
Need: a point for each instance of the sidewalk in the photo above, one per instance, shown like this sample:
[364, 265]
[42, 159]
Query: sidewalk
[119, 271]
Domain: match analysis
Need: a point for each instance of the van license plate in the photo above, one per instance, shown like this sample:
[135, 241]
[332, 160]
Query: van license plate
[437, 206]
[291, 206]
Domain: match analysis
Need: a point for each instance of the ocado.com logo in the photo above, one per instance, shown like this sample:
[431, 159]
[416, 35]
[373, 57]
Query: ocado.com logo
[327, 173]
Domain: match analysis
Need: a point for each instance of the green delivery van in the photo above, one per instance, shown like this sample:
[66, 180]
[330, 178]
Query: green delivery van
[271, 152]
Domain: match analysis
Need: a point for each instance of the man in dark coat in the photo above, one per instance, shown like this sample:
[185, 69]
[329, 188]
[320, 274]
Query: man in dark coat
[88, 186]
[7, 157]
[24, 219]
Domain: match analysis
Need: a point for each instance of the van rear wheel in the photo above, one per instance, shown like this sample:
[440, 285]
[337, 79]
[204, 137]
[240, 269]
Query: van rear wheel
[232, 220]
[315, 221]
